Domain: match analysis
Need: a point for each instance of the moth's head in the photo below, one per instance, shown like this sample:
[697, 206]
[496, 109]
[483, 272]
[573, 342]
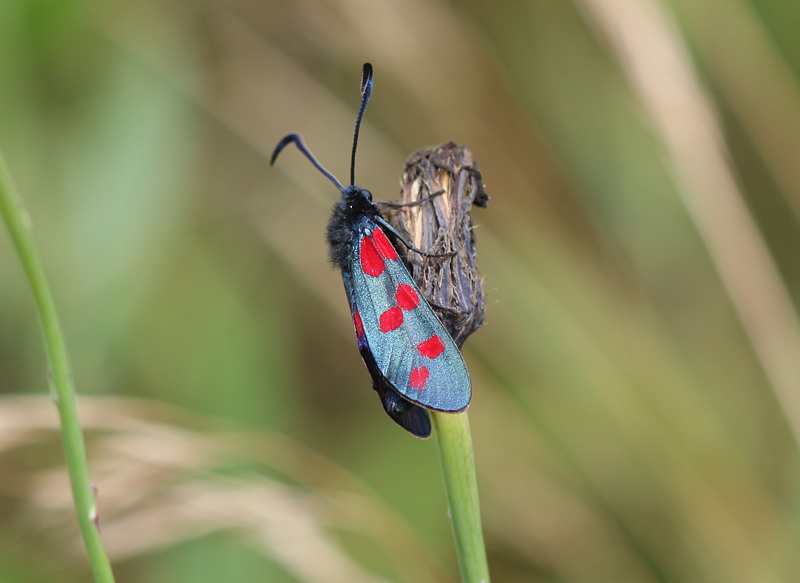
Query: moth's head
[357, 199]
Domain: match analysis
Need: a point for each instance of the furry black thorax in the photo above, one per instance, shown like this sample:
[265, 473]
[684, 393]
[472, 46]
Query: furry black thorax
[355, 204]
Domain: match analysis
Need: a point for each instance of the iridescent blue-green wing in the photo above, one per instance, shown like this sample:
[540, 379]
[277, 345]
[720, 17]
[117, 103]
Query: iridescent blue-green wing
[409, 344]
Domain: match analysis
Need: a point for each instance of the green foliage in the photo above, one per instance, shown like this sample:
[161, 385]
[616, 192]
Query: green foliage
[625, 415]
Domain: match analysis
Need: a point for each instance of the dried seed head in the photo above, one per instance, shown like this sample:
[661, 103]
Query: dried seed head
[444, 225]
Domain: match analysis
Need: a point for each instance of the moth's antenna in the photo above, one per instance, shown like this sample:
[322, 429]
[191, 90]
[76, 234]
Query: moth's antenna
[366, 91]
[301, 145]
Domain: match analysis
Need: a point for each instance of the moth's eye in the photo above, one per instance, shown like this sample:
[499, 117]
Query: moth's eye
[367, 194]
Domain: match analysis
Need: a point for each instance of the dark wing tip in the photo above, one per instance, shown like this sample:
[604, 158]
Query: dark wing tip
[411, 417]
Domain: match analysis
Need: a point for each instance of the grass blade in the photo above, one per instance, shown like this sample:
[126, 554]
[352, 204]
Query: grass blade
[59, 376]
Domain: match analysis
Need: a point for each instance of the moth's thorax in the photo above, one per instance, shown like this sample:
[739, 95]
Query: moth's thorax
[352, 215]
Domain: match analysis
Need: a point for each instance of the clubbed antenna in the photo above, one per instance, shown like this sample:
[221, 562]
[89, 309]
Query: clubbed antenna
[366, 91]
[301, 145]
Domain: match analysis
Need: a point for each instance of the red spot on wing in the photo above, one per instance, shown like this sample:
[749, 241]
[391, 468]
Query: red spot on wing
[406, 297]
[418, 378]
[391, 319]
[371, 261]
[359, 325]
[385, 248]
[432, 347]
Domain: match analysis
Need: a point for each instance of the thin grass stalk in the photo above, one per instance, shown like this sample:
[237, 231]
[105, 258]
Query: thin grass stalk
[453, 287]
[458, 467]
[59, 376]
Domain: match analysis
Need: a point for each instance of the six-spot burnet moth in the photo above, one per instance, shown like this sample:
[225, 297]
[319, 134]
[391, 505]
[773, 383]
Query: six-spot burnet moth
[413, 361]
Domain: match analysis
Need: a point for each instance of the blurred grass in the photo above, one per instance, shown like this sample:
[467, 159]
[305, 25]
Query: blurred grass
[624, 426]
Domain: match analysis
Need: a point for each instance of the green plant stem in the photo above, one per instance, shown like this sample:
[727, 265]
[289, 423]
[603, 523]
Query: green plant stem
[60, 377]
[458, 467]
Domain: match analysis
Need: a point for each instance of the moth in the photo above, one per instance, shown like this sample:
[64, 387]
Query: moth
[414, 363]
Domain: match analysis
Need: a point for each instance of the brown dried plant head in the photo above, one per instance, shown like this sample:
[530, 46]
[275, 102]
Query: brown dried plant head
[444, 225]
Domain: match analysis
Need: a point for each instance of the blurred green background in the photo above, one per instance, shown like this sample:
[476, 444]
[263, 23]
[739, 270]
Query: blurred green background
[634, 410]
